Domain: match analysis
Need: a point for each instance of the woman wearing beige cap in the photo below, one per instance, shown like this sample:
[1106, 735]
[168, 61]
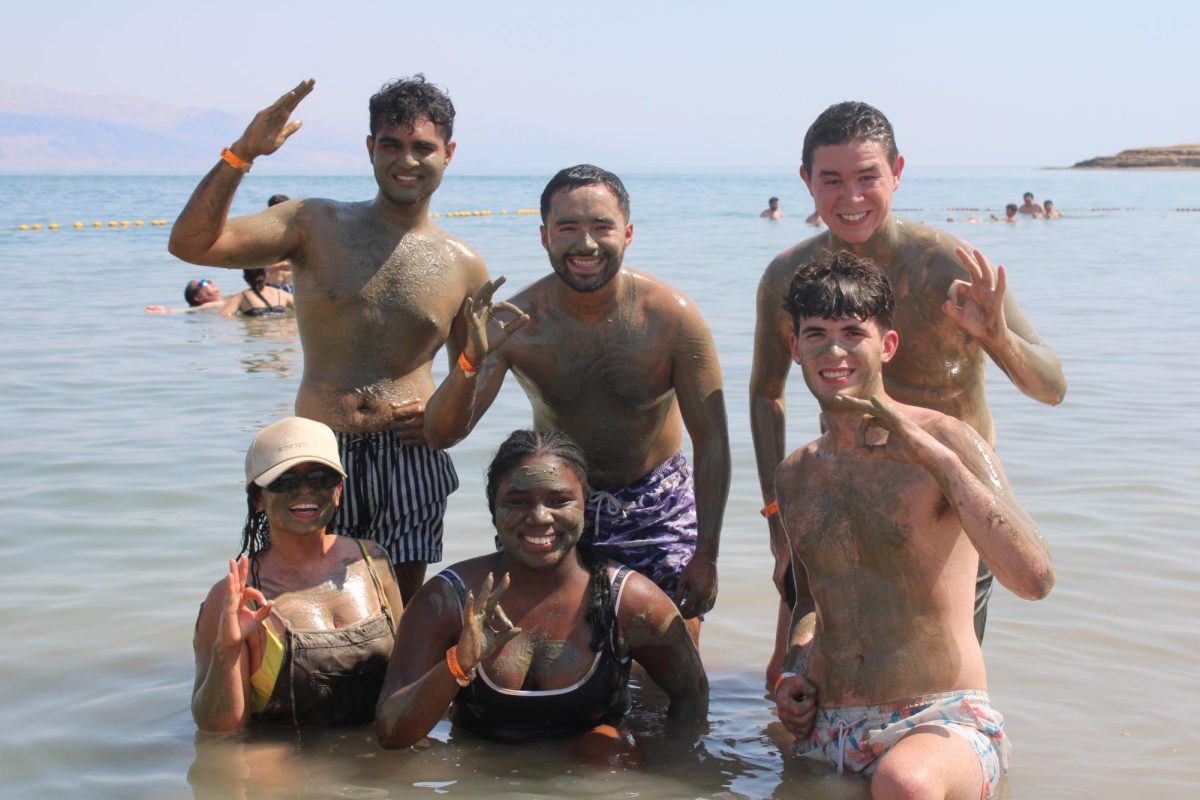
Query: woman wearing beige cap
[301, 628]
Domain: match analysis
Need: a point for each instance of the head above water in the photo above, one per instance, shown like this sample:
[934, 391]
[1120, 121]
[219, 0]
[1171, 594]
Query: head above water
[522, 445]
[1010, 209]
[839, 286]
[407, 100]
[584, 175]
[1047, 204]
[255, 278]
[276, 199]
[200, 291]
[845, 122]
[1027, 197]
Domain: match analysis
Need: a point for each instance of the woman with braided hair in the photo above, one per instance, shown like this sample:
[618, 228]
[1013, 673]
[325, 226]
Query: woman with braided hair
[300, 629]
[554, 659]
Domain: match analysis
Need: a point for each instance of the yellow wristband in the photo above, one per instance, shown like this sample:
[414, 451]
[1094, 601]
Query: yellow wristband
[232, 159]
[770, 509]
[466, 366]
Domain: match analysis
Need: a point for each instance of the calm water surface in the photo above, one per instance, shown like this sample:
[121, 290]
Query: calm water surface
[125, 435]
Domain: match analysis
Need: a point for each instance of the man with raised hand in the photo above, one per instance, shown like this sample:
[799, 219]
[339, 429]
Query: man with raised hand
[887, 515]
[953, 310]
[379, 289]
[621, 362]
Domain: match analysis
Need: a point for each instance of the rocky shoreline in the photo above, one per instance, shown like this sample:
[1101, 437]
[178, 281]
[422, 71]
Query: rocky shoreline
[1180, 156]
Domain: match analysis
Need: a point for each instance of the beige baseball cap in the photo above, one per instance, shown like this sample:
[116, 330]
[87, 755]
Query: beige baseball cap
[281, 446]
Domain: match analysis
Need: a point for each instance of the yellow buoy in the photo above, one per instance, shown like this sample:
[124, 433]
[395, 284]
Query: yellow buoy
[112, 223]
[124, 223]
[53, 226]
[78, 224]
[138, 222]
[36, 226]
[23, 227]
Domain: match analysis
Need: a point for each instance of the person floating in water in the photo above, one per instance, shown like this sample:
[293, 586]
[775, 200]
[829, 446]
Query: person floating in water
[553, 661]
[300, 629]
[887, 515]
[954, 312]
[380, 289]
[1051, 211]
[200, 295]
[1010, 214]
[622, 363]
[1031, 208]
[772, 210]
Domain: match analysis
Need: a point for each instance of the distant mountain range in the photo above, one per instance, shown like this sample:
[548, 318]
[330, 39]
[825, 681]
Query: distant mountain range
[49, 131]
[1180, 156]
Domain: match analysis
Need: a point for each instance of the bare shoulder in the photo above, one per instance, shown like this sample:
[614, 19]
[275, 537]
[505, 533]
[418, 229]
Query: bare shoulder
[796, 461]
[664, 301]
[783, 267]
[930, 247]
[644, 607]
[465, 256]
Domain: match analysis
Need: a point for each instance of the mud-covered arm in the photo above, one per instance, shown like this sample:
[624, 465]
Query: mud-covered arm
[204, 234]
[478, 336]
[795, 694]
[221, 694]
[699, 389]
[768, 412]
[974, 483]
[983, 307]
[657, 638]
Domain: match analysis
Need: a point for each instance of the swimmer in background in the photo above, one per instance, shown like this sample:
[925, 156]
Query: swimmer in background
[1031, 208]
[201, 295]
[887, 515]
[259, 300]
[772, 210]
[279, 274]
[814, 219]
[1010, 214]
[1051, 211]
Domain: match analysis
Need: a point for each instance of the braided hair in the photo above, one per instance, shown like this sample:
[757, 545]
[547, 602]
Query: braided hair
[522, 445]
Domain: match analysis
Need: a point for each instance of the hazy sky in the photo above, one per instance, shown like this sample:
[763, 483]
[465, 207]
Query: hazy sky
[655, 84]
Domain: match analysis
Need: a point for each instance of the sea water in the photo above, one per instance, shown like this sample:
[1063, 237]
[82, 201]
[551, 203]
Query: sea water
[124, 435]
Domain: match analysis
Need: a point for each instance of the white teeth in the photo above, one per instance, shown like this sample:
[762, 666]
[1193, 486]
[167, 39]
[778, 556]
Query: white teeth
[582, 261]
[539, 540]
[853, 217]
[835, 373]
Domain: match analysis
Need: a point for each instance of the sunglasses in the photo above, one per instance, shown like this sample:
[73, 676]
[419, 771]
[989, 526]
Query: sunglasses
[202, 283]
[320, 479]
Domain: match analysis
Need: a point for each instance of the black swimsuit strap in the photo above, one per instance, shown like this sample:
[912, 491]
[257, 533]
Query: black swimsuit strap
[258, 294]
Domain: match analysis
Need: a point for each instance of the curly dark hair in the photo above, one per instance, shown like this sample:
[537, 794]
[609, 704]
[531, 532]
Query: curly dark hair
[845, 122]
[522, 445]
[585, 175]
[406, 100]
[840, 285]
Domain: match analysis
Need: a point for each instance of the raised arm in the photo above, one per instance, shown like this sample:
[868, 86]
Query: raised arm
[768, 412]
[983, 308]
[420, 684]
[699, 389]
[657, 639]
[221, 693]
[476, 371]
[204, 234]
[975, 485]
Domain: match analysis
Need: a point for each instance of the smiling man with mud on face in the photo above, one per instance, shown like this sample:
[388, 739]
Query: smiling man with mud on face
[379, 289]
[622, 363]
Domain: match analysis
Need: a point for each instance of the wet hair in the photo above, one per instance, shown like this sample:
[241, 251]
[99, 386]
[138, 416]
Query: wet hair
[1047, 202]
[190, 291]
[1011, 207]
[838, 286]
[773, 200]
[1027, 194]
[846, 122]
[406, 100]
[256, 532]
[584, 175]
[522, 445]
[276, 199]
[255, 278]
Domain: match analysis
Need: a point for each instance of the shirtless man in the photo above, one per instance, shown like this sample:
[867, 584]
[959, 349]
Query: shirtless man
[887, 515]
[378, 291]
[952, 309]
[1031, 208]
[620, 362]
[1051, 211]
[1010, 214]
[772, 210]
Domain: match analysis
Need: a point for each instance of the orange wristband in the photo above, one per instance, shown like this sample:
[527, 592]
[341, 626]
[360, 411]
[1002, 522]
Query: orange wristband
[783, 676]
[466, 366]
[460, 677]
[232, 159]
[770, 509]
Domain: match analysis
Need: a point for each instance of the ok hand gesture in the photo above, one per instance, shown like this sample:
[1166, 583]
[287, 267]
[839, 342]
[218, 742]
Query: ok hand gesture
[476, 311]
[977, 305]
[902, 439]
[239, 620]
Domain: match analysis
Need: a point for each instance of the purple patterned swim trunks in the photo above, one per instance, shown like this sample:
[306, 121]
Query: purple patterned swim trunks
[650, 525]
